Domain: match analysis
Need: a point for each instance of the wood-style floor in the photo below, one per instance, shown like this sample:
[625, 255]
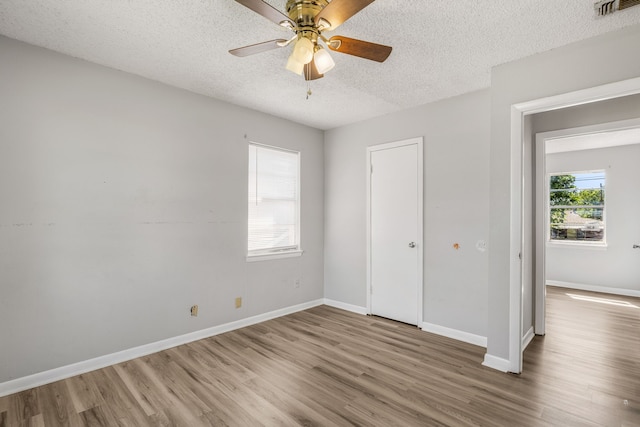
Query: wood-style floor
[328, 367]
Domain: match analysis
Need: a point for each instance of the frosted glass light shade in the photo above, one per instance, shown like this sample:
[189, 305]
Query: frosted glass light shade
[303, 50]
[324, 62]
[295, 66]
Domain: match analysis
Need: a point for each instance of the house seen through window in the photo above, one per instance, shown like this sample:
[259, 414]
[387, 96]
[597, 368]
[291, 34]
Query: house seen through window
[274, 200]
[577, 207]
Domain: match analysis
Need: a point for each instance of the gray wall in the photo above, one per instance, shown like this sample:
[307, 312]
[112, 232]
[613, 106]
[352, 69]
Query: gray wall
[456, 191]
[611, 110]
[122, 203]
[594, 62]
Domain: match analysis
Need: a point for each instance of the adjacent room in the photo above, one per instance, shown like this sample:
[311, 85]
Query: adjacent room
[315, 212]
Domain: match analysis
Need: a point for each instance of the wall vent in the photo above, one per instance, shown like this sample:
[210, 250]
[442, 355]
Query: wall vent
[628, 3]
[607, 7]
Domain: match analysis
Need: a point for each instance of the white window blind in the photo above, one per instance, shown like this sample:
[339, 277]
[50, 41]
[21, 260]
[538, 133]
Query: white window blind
[273, 200]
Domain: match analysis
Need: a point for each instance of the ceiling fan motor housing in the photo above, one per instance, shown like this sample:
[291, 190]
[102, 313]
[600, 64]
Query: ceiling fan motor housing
[303, 12]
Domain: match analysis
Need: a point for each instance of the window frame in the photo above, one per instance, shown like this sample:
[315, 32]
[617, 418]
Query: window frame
[601, 244]
[294, 250]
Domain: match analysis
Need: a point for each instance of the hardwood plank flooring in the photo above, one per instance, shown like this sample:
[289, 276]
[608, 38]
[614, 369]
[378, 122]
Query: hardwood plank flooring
[327, 367]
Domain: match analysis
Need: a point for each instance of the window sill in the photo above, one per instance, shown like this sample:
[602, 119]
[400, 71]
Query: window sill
[267, 256]
[578, 245]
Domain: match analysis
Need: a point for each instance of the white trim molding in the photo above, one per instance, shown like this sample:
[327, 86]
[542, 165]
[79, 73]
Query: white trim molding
[595, 288]
[527, 338]
[63, 372]
[274, 255]
[497, 363]
[346, 307]
[455, 334]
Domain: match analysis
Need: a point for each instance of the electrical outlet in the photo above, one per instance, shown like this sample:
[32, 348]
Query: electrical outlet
[296, 283]
[238, 302]
[194, 310]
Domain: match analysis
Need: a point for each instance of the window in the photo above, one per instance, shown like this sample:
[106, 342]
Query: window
[274, 201]
[576, 207]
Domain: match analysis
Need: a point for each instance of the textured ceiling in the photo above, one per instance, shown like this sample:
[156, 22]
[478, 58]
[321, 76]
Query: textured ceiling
[441, 48]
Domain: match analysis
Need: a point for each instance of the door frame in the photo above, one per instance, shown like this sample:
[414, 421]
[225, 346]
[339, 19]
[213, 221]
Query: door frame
[418, 141]
[517, 193]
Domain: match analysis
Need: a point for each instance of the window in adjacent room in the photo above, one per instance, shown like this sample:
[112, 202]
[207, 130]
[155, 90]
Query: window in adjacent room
[577, 207]
[274, 202]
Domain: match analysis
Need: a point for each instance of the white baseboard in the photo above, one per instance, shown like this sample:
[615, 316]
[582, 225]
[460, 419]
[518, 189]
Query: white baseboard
[592, 288]
[497, 363]
[56, 374]
[428, 327]
[344, 306]
[455, 334]
[526, 339]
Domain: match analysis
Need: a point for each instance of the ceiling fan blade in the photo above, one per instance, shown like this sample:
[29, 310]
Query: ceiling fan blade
[257, 48]
[265, 9]
[338, 11]
[366, 50]
[311, 72]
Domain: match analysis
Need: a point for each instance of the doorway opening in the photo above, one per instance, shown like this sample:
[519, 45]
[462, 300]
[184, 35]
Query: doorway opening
[574, 247]
[520, 248]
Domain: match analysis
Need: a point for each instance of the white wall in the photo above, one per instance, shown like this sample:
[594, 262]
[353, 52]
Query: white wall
[605, 59]
[456, 156]
[122, 203]
[617, 266]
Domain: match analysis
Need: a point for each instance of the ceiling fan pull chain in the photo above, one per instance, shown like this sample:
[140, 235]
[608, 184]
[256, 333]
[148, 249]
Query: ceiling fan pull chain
[309, 90]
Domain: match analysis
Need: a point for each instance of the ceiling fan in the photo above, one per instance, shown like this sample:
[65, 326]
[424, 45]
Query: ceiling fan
[308, 19]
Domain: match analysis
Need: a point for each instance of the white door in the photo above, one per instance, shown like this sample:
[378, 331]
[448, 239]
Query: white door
[395, 252]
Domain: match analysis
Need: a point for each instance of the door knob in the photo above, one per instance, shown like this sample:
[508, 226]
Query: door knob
[412, 244]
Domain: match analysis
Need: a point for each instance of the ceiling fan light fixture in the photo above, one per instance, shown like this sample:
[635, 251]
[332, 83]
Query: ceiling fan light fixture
[294, 66]
[324, 62]
[303, 50]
